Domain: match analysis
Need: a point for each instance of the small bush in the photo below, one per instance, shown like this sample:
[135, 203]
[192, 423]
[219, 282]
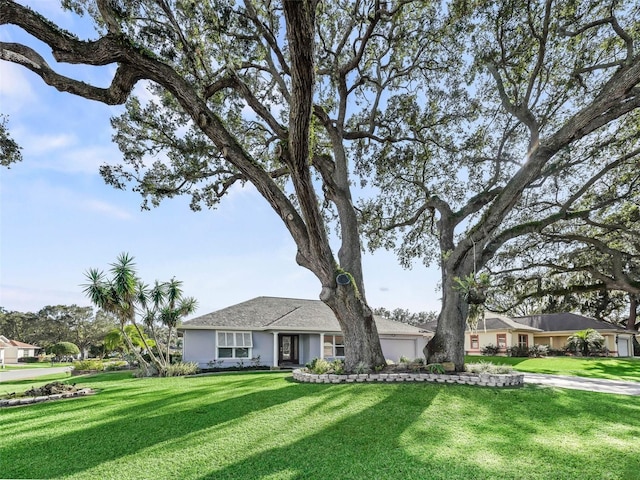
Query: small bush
[538, 351]
[89, 365]
[517, 351]
[362, 367]
[320, 366]
[435, 368]
[181, 368]
[28, 360]
[404, 359]
[116, 365]
[487, 367]
[490, 350]
[419, 361]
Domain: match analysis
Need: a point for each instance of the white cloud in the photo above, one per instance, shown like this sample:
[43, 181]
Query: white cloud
[106, 209]
[44, 144]
[14, 85]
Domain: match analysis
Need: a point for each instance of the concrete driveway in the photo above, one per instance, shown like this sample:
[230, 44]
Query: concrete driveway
[582, 383]
[28, 373]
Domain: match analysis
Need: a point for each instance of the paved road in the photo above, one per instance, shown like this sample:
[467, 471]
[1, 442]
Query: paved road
[582, 383]
[27, 373]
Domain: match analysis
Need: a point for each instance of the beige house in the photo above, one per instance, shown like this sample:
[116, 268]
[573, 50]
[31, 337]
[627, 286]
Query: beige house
[12, 350]
[500, 331]
[552, 329]
[556, 328]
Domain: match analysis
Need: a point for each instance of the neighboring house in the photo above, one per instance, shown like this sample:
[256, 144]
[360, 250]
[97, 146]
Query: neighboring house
[12, 350]
[556, 328]
[497, 330]
[284, 332]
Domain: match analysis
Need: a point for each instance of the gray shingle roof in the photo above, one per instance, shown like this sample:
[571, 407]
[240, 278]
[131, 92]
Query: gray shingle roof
[550, 322]
[288, 314]
[492, 321]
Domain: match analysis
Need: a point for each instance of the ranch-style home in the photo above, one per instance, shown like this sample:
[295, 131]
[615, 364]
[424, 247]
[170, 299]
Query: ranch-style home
[556, 328]
[284, 332]
[552, 330]
[12, 350]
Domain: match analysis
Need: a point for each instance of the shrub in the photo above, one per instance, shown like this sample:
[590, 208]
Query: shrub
[435, 368]
[419, 361]
[517, 351]
[88, 365]
[487, 367]
[337, 367]
[490, 350]
[28, 360]
[586, 342]
[320, 366]
[362, 367]
[404, 359]
[116, 365]
[255, 361]
[538, 351]
[181, 368]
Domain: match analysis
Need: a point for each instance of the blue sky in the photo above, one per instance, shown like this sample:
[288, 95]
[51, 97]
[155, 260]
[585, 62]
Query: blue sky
[58, 218]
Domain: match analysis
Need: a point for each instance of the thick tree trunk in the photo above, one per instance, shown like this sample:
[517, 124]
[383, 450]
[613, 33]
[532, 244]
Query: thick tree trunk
[633, 313]
[361, 341]
[447, 345]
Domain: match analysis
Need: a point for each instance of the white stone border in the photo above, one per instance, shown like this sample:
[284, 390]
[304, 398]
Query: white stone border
[480, 379]
[15, 402]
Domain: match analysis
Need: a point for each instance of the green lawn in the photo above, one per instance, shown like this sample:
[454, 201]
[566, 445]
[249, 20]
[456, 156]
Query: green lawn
[36, 365]
[611, 368]
[264, 426]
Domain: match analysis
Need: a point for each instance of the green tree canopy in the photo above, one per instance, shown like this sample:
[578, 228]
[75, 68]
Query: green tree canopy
[64, 348]
[475, 122]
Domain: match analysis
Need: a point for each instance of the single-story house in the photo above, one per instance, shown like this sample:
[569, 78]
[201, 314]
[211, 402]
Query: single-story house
[284, 332]
[12, 350]
[556, 328]
[495, 329]
[501, 331]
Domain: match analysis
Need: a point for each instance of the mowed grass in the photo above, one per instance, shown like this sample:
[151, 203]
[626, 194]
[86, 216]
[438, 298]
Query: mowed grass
[610, 368]
[264, 426]
[25, 366]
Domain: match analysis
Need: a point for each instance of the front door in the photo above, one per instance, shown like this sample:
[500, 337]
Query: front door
[288, 349]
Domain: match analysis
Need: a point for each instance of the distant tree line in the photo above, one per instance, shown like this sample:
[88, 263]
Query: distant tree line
[53, 324]
[405, 316]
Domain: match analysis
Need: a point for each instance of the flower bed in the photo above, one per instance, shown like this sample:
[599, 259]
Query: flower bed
[463, 378]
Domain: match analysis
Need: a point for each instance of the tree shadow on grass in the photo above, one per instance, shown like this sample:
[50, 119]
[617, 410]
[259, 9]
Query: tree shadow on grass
[628, 370]
[132, 425]
[418, 438]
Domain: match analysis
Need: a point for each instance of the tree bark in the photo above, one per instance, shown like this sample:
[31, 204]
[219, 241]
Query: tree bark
[362, 344]
[447, 345]
[633, 313]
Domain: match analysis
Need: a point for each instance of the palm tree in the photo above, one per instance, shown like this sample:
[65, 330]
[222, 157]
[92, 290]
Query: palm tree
[166, 305]
[117, 295]
[586, 341]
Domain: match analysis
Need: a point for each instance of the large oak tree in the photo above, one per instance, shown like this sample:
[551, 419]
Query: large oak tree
[547, 101]
[271, 93]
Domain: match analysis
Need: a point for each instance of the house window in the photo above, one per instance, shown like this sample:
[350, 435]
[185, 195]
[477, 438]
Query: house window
[475, 342]
[333, 346]
[523, 341]
[502, 340]
[234, 344]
